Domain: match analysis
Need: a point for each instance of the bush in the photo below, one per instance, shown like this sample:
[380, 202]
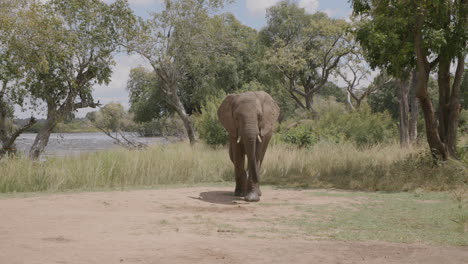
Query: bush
[164, 126]
[463, 125]
[209, 128]
[336, 125]
[301, 135]
[112, 118]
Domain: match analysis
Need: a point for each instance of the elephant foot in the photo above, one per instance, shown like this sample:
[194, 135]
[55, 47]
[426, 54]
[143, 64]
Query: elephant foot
[256, 188]
[239, 193]
[252, 197]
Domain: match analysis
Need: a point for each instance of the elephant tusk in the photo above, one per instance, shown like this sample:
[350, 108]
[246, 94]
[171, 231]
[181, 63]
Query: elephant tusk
[238, 140]
[259, 138]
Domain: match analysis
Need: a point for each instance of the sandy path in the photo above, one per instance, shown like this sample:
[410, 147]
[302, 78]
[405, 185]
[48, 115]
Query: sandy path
[185, 225]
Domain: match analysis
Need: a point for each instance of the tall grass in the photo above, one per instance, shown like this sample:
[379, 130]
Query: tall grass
[171, 164]
[381, 167]
[385, 167]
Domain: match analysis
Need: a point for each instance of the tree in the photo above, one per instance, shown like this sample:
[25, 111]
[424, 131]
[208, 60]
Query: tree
[175, 32]
[305, 49]
[11, 74]
[114, 121]
[331, 89]
[408, 109]
[192, 54]
[147, 98]
[229, 62]
[353, 71]
[70, 49]
[426, 35]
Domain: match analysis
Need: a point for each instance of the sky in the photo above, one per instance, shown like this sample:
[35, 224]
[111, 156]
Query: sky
[249, 12]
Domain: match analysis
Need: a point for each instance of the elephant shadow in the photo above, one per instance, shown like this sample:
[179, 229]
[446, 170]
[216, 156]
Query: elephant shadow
[219, 197]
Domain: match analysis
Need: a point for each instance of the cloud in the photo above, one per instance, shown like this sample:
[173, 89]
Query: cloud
[137, 2]
[258, 7]
[329, 12]
[310, 6]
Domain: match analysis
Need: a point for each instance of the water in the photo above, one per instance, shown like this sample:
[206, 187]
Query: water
[65, 144]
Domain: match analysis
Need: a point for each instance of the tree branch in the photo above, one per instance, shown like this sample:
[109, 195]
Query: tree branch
[9, 143]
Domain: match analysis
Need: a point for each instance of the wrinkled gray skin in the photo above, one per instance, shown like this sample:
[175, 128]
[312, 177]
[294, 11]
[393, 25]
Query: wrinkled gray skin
[250, 116]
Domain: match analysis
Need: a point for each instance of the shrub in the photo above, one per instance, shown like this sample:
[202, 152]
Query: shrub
[164, 126]
[209, 128]
[336, 125]
[463, 125]
[301, 136]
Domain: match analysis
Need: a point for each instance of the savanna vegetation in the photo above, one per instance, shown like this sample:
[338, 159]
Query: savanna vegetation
[375, 103]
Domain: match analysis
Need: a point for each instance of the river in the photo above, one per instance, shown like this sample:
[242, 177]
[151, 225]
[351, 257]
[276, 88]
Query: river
[65, 144]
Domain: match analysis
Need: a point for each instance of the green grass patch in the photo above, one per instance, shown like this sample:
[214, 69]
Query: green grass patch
[394, 217]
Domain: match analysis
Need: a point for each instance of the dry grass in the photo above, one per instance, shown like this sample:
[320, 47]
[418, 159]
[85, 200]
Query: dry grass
[385, 167]
[157, 165]
[382, 167]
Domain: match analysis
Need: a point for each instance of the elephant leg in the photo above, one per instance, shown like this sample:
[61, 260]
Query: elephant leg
[253, 187]
[261, 150]
[253, 191]
[238, 160]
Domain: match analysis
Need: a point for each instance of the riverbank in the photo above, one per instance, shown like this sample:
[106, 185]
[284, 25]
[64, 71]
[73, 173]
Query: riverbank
[72, 144]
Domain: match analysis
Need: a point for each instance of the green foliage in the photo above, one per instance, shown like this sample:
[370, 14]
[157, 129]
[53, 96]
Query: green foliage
[162, 127]
[463, 124]
[147, 101]
[464, 90]
[112, 118]
[303, 48]
[301, 135]
[336, 125]
[208, 125]
[385, 100]
[70, 50]
[331, 89]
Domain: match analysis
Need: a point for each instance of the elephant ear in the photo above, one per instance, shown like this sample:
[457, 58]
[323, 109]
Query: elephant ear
[225, 115]
[271, 113]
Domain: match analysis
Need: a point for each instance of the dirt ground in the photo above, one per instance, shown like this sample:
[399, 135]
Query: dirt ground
[185, 225]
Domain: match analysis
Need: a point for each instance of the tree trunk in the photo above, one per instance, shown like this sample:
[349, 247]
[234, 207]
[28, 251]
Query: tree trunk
[3, 121]
[454, 109]
[404, 111]
[42, 137]
[358, 103]
[437, 147]
[414, 108]
[180, 109]
[8, 134]
[310, 105]
[443, 81]
[349, 101]
[8, 143]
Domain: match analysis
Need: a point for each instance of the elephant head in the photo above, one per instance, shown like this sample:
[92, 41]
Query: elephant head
[249, 119]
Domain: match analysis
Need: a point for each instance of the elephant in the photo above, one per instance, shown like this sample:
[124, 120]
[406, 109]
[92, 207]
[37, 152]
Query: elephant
[248, 118]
